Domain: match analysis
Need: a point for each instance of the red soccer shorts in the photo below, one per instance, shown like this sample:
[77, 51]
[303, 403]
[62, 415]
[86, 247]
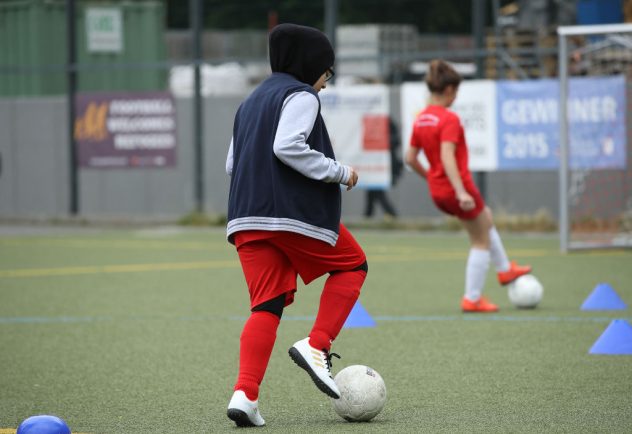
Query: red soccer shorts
[271, 261]
[448, 203]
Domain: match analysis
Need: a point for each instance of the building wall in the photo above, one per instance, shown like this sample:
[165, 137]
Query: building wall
[33, 47]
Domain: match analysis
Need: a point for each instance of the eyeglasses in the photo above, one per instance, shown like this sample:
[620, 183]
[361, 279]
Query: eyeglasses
[329, 74]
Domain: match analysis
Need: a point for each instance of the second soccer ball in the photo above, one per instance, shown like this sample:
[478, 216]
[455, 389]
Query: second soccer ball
[525, 292]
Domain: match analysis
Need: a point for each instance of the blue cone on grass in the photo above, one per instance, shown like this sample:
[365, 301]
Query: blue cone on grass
[616, 339]
[359, 317]
[43, 424]
[603, 297]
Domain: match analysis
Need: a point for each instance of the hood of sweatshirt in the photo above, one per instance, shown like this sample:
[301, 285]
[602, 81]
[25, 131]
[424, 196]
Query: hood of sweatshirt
[304, 52]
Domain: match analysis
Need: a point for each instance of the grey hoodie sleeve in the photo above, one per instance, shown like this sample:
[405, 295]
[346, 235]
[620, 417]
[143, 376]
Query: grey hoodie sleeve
[229, 159]
[298, 115]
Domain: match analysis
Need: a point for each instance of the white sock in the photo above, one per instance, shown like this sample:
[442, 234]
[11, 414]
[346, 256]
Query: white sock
[476, 273]
[497, 251]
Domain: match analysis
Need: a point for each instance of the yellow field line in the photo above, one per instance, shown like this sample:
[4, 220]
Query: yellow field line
[125, 244]
[137, 268]
[202, 265]
[13, 430]
[108, 269]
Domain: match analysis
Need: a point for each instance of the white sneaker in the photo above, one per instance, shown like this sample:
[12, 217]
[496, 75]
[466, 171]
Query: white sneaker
[317, 363]
[243, 411]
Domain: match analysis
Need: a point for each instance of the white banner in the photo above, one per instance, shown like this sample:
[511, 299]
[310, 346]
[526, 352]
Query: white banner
[357, 118]
[475, 105]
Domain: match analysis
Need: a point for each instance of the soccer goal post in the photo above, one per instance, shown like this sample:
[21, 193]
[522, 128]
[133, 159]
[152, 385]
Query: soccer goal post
[595, 137]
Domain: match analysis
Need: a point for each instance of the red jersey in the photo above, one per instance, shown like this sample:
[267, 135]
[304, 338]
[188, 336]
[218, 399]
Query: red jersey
[433, 126]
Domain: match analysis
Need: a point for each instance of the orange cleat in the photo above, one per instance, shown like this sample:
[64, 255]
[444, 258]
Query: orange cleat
[515, 271]
[482, 305]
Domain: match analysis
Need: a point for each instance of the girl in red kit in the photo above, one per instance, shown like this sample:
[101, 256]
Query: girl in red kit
[284, 210]
[437, 132]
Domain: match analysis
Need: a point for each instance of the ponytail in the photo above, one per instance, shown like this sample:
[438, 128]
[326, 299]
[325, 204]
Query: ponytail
[441, 75]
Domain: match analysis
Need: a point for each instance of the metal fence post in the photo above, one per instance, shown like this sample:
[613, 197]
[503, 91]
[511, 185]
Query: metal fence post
[196, 10]
[71, 68]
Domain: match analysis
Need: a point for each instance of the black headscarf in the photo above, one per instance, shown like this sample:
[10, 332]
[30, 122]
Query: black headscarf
[304, 52]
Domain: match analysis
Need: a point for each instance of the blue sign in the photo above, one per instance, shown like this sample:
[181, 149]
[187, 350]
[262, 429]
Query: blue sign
[596, 113]
[527, 124]
[528, 127]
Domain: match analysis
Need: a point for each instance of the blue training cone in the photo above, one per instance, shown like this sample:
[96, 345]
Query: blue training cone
[603, 297]
[43, 424]
[616, 339]
[359, 317]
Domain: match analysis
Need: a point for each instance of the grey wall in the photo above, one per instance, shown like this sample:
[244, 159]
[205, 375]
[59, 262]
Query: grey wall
[34, 154]
[34, 181]
[34, 178]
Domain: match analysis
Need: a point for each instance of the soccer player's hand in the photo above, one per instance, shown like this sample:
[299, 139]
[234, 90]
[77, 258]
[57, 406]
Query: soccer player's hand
[353, 179]
[466, 202]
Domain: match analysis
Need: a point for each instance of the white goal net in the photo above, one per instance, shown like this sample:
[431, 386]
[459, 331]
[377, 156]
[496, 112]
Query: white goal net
[595, 114]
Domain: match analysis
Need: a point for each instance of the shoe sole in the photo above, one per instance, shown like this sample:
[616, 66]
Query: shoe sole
[301, 362]
[239, 417]
[479, 311]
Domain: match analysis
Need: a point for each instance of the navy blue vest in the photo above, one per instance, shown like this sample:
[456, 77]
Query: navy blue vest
[265, 194]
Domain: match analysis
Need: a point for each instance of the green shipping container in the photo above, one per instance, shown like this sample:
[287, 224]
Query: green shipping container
[33, 49]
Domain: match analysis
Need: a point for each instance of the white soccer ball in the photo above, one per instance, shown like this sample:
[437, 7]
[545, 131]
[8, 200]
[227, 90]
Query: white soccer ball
[362, 393]
[525, 292]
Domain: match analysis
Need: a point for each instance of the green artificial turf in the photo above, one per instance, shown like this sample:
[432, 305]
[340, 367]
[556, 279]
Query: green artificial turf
[137, 331]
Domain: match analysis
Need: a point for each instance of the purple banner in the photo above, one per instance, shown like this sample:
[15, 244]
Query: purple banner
[125, 130]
